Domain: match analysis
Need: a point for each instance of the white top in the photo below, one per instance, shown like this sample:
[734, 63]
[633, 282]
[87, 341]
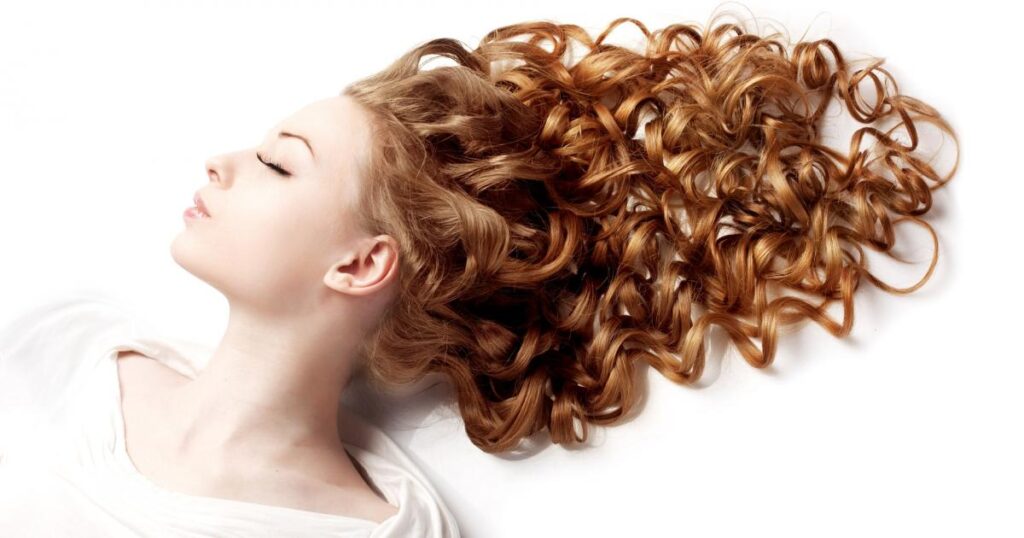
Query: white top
[64, 470]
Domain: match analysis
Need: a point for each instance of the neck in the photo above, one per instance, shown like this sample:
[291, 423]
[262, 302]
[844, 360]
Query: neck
[271, 386]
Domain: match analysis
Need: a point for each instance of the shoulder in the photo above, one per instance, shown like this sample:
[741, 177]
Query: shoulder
[51, 340]
[46, 352]
[52, 324]
[47, 344]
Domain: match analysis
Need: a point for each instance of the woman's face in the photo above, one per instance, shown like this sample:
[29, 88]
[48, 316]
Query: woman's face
[273, 235]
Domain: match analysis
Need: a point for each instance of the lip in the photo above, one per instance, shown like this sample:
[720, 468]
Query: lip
[192, 213]
[201, 205]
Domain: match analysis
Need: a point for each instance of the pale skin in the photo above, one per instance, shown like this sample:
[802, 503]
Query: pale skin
[303, 283]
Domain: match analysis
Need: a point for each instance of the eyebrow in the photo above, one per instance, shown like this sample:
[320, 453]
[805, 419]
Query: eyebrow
[283, 134]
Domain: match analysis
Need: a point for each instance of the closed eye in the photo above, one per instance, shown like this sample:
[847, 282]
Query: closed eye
[273, 166]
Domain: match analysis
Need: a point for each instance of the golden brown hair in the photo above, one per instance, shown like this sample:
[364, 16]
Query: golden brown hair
[546, 247]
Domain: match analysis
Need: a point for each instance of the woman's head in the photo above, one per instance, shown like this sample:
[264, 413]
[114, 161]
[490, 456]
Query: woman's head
[284, 234]
[541, 248]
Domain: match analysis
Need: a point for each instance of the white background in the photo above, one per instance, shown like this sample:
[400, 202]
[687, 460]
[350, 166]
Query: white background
[910, 426]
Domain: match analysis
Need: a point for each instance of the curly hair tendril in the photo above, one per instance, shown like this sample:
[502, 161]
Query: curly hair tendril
[546, 247]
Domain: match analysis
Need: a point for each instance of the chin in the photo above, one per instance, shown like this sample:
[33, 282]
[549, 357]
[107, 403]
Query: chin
[183, 252]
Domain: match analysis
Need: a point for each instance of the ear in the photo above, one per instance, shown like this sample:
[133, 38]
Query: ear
[367, 269]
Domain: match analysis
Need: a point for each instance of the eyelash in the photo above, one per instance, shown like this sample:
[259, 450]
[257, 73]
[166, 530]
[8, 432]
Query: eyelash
[273, 166]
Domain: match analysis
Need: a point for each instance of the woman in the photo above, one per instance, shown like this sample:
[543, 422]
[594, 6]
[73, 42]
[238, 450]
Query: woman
[249, 438]
[505, 228]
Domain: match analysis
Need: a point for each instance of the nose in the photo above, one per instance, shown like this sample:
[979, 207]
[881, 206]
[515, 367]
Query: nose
[213, 170]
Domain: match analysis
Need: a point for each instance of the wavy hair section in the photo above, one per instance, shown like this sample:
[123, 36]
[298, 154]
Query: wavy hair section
[547, 247]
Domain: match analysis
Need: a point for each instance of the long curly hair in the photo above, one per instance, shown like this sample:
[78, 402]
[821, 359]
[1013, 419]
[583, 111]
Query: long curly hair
[546, 247]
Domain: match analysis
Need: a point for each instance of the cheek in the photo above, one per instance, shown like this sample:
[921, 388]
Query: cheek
[278, 242]
[289, 234]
